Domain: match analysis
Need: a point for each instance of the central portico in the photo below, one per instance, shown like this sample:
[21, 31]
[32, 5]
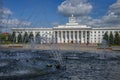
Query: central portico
[72, 32]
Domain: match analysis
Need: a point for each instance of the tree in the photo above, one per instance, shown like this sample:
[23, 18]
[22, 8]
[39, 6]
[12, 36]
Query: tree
[3, 38]
[106, 37]
[13, 37]
[37, 38]
[111, 38]
[37, 35]
[25, 38]
[19, 38]
[10, 37]
[31, 36]
[117, 39]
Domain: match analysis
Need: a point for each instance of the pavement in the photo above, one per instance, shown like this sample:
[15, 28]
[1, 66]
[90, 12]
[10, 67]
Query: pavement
[73, 47]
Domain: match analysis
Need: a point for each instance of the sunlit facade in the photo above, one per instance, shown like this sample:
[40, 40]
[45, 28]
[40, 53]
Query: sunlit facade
[71, 32]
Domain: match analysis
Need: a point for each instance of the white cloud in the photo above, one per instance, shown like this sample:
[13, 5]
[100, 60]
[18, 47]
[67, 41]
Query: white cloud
[111, 19]
[14, 22]
[115, 8]
[4, 12]
[76, 7]
[87, 20]
[54, 24]
[7, 22]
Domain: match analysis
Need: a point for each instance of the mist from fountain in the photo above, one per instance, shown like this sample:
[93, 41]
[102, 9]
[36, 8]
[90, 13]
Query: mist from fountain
[104, 44]
[55, 51]
[45, 39]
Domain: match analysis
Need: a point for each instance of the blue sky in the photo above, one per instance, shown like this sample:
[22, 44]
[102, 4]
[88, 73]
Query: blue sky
[48, 13]
[39, 12]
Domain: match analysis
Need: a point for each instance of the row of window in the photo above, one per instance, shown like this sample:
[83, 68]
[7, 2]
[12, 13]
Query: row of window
[104, 31]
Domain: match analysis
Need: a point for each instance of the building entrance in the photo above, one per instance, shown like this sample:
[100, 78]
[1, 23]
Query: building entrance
[71, 42]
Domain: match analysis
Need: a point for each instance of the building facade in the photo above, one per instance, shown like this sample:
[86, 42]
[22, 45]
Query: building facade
[71, 32]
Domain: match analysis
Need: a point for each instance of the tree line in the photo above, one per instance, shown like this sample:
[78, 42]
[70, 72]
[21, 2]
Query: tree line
[11, 38]
[112, 39]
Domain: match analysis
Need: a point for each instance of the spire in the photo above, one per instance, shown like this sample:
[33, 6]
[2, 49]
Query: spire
[72, 20]
[72, 15]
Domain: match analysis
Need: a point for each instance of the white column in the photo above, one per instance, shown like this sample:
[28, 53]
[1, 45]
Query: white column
[73, 36]
[82, 40]
[58, 37]
[69, 36]
[61, 36]
[78, 37]
[34, 35]
[66, 39]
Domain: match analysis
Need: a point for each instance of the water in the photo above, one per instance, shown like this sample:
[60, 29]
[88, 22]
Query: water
[22, 64]
[104, 44]
[27, 65]
[55, 64]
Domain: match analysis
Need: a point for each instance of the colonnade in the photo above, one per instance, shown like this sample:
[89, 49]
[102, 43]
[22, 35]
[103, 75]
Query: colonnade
[72, 36]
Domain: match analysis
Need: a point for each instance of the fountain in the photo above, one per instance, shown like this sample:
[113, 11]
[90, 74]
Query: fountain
[104, 44]
[54, 64]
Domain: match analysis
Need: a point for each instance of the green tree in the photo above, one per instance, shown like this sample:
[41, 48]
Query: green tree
[117, 39]
[3, 38]
[19, 38]
[13, 37]
[106, 37]
[111, 38]
[25, 38]
[31, 36]
[37, 38]
[37, 35]
[9, 37]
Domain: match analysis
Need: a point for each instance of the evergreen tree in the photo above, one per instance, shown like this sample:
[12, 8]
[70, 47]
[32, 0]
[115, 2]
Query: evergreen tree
[37, 38]
[37, 35]
[9, 37]
[106, 37]
[111, 38]
[117, 39]
[13, 37]
[31, 36]
[3, 38]
[25, 38]
[19, 38]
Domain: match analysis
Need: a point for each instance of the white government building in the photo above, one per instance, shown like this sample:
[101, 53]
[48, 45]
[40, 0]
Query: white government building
[71, 32]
